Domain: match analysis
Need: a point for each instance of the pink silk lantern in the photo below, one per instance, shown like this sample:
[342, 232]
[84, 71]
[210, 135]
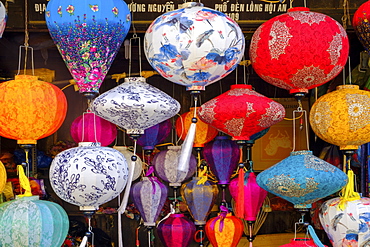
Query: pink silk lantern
[91, 128]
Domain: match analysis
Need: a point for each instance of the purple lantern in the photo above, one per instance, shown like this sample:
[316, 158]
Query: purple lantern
[176, 231]
[222, 156]
[154, 135]
[149, 196]
[91, 128]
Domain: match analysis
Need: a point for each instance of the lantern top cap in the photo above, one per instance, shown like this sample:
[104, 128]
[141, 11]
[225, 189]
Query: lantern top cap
[247, 86]
[301, 152]
[135, 79]
[357, 87]
[174, 147]
[89, 144]
[298, 9]
[120, 148]
[177, 215]
[222, 137]
[191, 4]
[27, 198]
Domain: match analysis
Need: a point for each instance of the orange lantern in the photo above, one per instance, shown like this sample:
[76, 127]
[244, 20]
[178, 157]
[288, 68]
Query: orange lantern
[30, 109]
[204, 132]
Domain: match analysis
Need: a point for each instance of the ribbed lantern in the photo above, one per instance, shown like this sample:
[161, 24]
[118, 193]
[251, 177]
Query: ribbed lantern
[88, 175]
[88, 35]
[155, 135]
[241, 112]
[302, 179]
[361, 25]
[176, 231]
[3, 177]
[138, 169]
[135, 105]
[342, 117]
[166, 165]
[30, 109]
[204, 133]
[299, 50]
[28, 221]
[194, 46]
[3, 18]
[91, 128]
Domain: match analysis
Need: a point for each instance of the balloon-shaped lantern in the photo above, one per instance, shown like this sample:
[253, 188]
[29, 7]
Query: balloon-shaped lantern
[299, 50]
[3, 18]
[154, 135]
[30, 109]
[3, 177]
[302, 179]
[342, 117]
[88, 35]
[241, 112]
[361, 25]
[137, 165]
[194, 46]
[91, 128]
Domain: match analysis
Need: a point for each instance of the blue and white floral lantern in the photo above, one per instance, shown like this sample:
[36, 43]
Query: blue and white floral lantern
[194, 46]
[3, 18]
[88, 175]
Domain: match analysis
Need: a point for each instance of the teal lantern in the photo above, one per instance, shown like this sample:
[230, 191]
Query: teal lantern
[28, 221]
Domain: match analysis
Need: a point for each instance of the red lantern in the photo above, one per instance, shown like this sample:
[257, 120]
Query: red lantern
[299, 50]
[360, 23]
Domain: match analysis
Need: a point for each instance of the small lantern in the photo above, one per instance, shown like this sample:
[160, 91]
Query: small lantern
[138, 168]
[360, 23]
[155, 135]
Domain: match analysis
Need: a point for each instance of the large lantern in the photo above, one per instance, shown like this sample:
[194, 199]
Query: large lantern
[28, 221]
[155, 135]
[88, 35]
[3, 17]
[299, 50]
[360, 23]
[30, 109]
[194, 46]
[342, 117]
[88, 175]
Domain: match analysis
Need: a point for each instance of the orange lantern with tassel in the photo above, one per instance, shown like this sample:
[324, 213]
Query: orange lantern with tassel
[30, 109]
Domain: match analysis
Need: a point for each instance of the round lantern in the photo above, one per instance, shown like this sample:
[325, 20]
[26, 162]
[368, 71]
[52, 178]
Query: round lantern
[176, 231]
[347, 227]
[138, 169]
[299, 50]
[3, 18]
[28, 221]
[360, 23]
[88, 175]
[302, 179]
[155, 135]
[194, 46]
[204, 132]
[166, 166]
[91, 128]
[3, 177]
[88, 35]
[241, 112]
[135, 105]
[30, 109]
[342, 117]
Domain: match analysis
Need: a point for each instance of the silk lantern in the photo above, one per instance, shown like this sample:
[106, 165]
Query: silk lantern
[135, 105]
[30, 109]
[3, 177]
[176, 231]
[301, 242]
[241, 112]
[28, 221]
[88, 35]
[91, 128]
[149, 196]
[194, 46]
[302, 179]
[88, 175]
[299, 50]
[3, 18]
[360, 23]
[342, 117]
[154, 135]
[138, 164]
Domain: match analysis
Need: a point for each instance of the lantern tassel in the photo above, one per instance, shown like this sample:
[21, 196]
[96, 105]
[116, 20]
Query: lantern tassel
[315, 238]
[24, 182]
[186, 149]
[203, 176]
[348, 193]
[240, 199]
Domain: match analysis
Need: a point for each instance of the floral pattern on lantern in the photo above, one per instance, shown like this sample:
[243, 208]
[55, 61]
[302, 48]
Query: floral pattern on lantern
[194, 46]
[342, 117]
[88, 37]
[3, 18]
[360, 23]
[299, 50]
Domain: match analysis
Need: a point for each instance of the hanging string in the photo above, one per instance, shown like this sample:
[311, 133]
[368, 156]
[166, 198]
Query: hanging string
[349, 71]
[346, 16]
[240, 198]
[303, 113]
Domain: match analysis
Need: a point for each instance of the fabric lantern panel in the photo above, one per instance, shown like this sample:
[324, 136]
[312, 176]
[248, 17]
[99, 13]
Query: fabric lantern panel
[28, 221]
[155, 135]
[194, 46]
[299, 50]
[30, 109]
[138, 169]
[342, 117]
[135, 105]
[241, 112]
[88, 36]
[88, 175]
[360, 23]
[3, 18]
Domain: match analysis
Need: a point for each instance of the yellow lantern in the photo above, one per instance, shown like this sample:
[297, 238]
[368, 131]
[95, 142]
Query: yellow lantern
[2, 177]
[342, 117]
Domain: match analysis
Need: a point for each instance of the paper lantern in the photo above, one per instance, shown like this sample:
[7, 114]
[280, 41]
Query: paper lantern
[224, 231]
[204, 132]
[302, 179]
[91, 128]
[348, 227]
[155, 135]
[176, 231]
[299, 50]
[342, 117]
[199, 198]
[88, 35]
[2, 177]
[300, 242]
[194, 46]
[135, 105]
[88, 175]
[138, 168]
[149, 196]
[30, 109]
[360, 23]
[28, 221]
[241, 112]
[3, 18]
